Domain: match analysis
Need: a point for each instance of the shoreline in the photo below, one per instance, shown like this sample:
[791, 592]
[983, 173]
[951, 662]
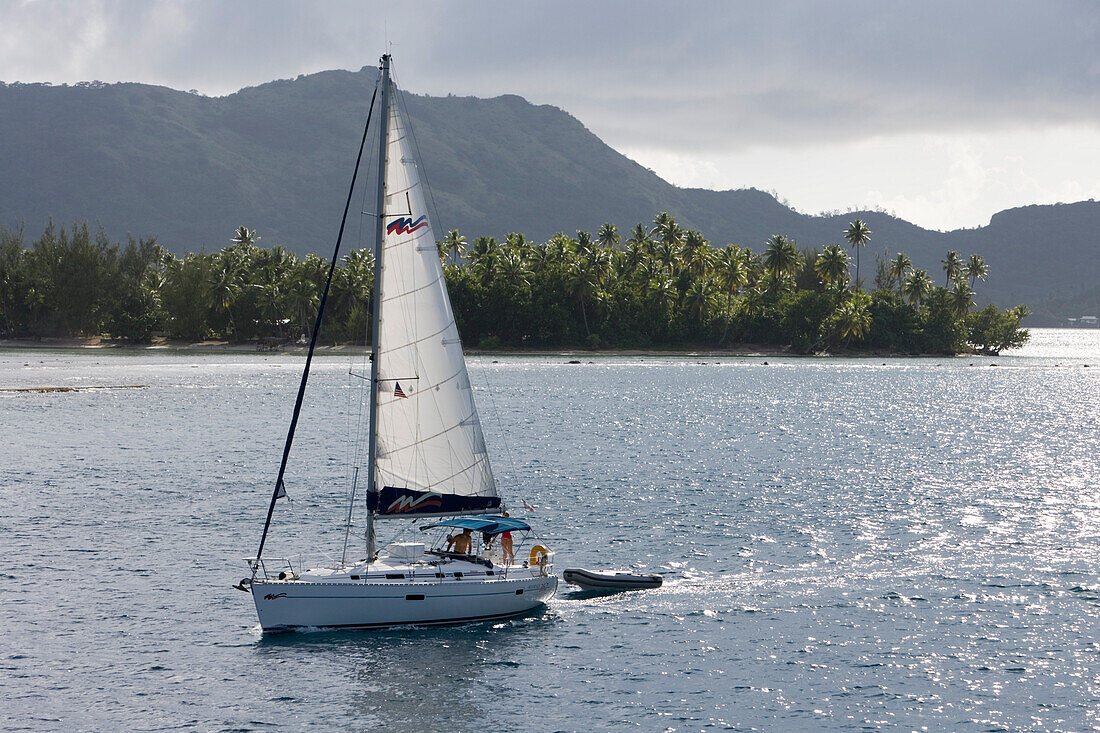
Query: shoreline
[212, 347]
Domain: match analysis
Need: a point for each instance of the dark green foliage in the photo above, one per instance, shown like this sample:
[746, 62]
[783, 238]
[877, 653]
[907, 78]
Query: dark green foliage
[803, 314]
[134, 310]
[71, 284]
[191, 168]
[663, 287]
[942, 332]
[992, 330]
[894, 324]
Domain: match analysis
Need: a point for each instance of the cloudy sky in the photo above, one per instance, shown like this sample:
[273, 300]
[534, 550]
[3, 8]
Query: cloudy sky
[942, 112]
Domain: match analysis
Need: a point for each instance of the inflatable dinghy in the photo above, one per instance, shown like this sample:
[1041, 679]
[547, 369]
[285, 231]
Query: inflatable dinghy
[590, 580]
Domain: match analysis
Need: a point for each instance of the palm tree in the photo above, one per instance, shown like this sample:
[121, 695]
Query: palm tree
[607, 236]
[853, 317]
[733, 274]
[245, 237]
[952, 265]
[226, 284]
[733, 270]
[666, 253]
[833, 264]
[352, 284]
[559, 248]
[697, 253]
[858, 235]
[302, 298]
[583, 243]
[587, 274]
[516, 241]
[512, 268]
[962, 299]
[659, 292]
[781, 257]
[669, 236]
[455, 244]
[650, 269]
[917, 287]
[639, 235]
[633, 256]
[976, 268]
[899, 268]
[699, 300]
[482, 257]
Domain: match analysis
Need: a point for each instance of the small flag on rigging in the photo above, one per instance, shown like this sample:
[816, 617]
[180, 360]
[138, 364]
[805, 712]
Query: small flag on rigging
[397, 391]
[527, 506]
[281, 492]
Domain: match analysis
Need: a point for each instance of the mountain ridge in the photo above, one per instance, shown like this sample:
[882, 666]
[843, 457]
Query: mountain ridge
[277, 157]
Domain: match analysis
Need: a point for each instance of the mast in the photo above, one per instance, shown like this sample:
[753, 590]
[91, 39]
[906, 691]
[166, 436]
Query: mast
[280, 490]
[379, 230]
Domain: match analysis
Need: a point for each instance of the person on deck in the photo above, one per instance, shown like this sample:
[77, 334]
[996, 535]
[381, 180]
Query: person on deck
[506, 545]
[460, 543]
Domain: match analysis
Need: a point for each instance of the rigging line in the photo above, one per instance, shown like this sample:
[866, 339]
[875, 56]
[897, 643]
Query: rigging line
[500, 427]
[421, 168]
[403, 129]
[423, 180]
[400, 477]
[347, 525]
[354, 451]
[413, 291]
[433, 436]
[312, 344]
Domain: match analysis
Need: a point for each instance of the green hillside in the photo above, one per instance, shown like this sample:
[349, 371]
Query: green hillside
[190, 169]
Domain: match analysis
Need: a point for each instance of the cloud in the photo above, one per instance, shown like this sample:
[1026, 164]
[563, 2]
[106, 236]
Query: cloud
[698, 88]
[704, 74]
[936, 180]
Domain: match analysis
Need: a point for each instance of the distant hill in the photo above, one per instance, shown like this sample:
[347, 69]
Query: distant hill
[277, 158]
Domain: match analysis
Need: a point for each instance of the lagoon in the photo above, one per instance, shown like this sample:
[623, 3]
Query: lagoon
[848, 543]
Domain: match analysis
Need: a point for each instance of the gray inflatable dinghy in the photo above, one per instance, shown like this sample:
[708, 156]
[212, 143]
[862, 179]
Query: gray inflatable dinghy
[590, 580]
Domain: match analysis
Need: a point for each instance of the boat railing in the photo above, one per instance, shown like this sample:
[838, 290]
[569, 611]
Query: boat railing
[543, 566]
[285, 568]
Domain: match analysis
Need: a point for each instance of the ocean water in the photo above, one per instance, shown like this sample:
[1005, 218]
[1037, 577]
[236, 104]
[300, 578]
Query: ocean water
[848, 544]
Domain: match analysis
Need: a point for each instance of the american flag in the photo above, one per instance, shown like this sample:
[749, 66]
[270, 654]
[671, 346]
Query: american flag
[397, 392]
[527, 506]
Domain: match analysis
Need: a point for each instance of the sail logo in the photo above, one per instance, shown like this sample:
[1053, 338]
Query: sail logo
[412, 503]
[405, 225]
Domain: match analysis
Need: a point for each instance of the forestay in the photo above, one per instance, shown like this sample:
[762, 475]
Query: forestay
[431, 457]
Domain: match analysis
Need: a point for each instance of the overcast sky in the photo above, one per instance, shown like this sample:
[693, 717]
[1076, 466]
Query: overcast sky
[942, 112]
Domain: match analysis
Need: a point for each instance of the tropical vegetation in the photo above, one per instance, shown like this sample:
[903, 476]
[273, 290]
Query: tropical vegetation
[661, 286]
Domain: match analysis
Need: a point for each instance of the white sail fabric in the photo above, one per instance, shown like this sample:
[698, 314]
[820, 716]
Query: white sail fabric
[428, 433]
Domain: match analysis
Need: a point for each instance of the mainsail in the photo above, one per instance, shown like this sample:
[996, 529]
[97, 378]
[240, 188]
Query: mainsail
[430, 451]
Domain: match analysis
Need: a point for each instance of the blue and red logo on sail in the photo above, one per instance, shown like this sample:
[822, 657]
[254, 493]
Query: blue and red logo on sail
[405, 225]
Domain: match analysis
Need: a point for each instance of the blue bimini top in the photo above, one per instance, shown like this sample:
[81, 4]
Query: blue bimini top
[488, 525]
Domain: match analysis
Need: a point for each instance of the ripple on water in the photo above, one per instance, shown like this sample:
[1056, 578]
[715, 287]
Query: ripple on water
[845, 544]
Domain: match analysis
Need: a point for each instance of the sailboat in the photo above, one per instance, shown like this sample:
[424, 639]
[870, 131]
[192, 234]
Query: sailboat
[427, 457]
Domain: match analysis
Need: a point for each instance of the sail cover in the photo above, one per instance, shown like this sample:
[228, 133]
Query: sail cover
[430, 451]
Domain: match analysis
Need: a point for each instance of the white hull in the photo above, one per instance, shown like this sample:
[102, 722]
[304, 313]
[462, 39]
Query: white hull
[347, 604]
[426, 452]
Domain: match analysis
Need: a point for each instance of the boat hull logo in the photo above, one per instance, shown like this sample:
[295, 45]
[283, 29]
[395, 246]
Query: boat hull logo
[413, 503]
[405, 225]
[273, 596]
